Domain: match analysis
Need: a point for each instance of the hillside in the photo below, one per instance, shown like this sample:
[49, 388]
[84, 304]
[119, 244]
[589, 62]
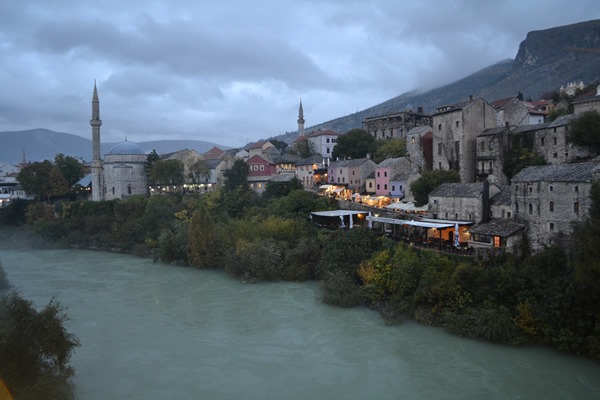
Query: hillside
[545, 61]
[44, 144]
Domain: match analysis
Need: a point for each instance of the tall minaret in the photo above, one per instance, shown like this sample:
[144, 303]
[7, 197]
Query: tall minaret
[300, 120]
[96, 122]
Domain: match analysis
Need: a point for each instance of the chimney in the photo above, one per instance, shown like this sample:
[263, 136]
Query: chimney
[470, 97]
[485, 199]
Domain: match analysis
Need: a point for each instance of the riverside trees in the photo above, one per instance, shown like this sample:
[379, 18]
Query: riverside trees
[35, 350]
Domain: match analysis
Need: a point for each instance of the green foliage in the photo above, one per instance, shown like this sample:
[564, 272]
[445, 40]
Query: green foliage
[520, 155]
[281, 189]
[204, 243]
[199, 172]
[71, 169]
[35, 179]
[35, 349]
[15, 213]
[429, 181]
[391, 148]
[345, 251]
[280, 144]
[303, 148]
[342, 290]
[585, 130]
[237, 177]
[297, 204]
[355, 144]
[167, 172]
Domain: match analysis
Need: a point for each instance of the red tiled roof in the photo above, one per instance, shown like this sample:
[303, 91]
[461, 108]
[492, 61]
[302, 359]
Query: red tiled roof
[213, 153]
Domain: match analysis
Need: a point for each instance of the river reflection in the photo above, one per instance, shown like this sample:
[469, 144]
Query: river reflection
[155, 331]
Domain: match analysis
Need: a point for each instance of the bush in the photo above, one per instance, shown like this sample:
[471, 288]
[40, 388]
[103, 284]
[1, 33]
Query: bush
[35, 349]
[340, 289]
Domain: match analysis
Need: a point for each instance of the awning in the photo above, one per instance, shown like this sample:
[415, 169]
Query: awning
[409, 223]
[324, 187]
[336, 213]
[337, 190]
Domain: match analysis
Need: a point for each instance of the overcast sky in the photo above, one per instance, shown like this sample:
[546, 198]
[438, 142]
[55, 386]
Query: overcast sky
[231, 72]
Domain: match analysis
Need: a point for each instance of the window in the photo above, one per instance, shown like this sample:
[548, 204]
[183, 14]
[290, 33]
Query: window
[439, 150]
[113, 190]
[385, 186]
[482, 146]
[470, 217]
[385, 174]
[262, 167]
[338, 179]
[352, 173]
[328, 150]
[412, 140]
[516, 207]
[530, 208]
[491, 145]
[393, 188]
[439, 127]
[551, 226]
[434, 201]
[327, 140]
[455, 216]
[554, 140]
[551, 206]
[551, 188]
[508, 214]
[576, 188]
[378, 174]
[128, 189]
[491, 166]
[576, 207]
[542, 141]
[530, 189]
[260, 185]
[439, 165]
[554, 155]
[370, 185]
[378, 186]
[457, 124]
[340, 170]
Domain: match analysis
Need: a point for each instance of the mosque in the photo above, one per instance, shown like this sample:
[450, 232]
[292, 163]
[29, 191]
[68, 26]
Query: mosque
[121, 173]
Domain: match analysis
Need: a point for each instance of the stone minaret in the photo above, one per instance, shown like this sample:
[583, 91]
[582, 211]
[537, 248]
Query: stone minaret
[96, 122]
[300, 120]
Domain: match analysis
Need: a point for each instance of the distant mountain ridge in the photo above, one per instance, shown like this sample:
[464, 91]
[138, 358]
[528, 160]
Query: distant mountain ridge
[43, 144]
[545, 61]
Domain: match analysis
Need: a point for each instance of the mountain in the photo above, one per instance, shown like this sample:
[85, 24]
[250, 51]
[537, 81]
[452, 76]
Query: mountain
[545, 61]
[44, 144]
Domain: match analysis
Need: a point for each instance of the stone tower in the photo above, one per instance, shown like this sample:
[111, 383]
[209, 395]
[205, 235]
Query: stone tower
[96, 122]
[300, 120]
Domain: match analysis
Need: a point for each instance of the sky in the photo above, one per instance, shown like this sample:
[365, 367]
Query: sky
[233, 72]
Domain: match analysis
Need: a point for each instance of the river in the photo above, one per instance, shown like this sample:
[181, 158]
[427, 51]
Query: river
[156, 331]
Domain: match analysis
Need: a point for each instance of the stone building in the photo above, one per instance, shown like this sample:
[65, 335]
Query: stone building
[395, 125]
[462, 201]
[589, 101]
[419, 150]
[121, 173]
[515, 112]
[455, 131]
[549, 198]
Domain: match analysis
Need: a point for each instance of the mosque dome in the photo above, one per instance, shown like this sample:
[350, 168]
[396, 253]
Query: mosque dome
[126, 148]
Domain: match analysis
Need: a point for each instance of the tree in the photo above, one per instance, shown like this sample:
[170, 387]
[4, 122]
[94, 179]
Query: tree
[150, 160]
[199, 171]
[429, 181]
[35, 179]
[70, 168]
[203, 242]
[167, 172]
[304, 149]
[356, 143]
[237, 176]
[280, 144]
[281, 189]
[391, 148]
[35, 349]
[585, 130]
